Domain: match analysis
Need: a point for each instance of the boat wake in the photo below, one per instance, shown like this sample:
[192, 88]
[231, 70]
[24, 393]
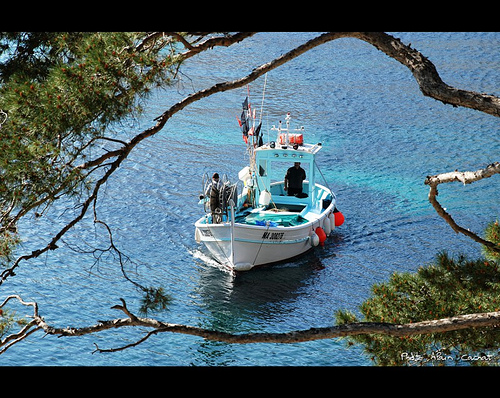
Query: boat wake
[203, 260]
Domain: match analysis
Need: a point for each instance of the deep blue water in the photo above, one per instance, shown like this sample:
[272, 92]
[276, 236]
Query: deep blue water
[381, 139]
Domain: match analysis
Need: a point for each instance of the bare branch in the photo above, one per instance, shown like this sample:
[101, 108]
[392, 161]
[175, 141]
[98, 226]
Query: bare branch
[28, 329]
[134, 344]
[490, 319]
[257, 72]
[52, 244]
[225, 41]
[427, 77]
[466, 177]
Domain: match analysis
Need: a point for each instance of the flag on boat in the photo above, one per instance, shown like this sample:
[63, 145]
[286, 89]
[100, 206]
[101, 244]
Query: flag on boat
[244, 122]
[246, 116]
[257, 137]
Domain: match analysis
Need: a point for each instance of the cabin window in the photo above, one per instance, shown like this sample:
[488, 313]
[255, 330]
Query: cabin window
[263, 168]
[279, 169]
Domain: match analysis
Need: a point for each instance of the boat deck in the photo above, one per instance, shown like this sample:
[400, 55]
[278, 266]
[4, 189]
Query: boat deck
[270, 218]
[283, 211]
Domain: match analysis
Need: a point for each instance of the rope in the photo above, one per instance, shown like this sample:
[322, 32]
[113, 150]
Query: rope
[324, 179]
[261, 243]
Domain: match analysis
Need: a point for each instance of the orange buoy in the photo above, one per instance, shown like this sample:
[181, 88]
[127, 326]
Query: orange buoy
[339, 218]
[321, 235]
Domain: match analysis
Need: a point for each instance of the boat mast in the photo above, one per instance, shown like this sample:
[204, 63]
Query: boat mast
[253, 131]
[252, 135]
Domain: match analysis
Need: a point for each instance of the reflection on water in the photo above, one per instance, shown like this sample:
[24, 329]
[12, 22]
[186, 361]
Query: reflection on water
[249, 302]
[260, 292]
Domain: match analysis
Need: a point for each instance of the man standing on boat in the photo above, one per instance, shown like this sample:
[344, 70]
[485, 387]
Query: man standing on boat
[293, 179]
[213, 191]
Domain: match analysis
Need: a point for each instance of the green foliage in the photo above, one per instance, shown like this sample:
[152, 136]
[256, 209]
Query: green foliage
[492, 234]
[61, 92]
[8, 321]
[61, 95]
[447, 288]
[8, 241]
[155, 299]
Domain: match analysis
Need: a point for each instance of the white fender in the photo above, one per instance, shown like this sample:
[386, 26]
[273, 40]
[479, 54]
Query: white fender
[314, 239]
[264, 198]
[242, 266]
[331, 217]
[327, 226]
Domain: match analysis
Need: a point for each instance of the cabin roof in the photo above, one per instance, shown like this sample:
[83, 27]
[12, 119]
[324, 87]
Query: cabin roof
[305, 151]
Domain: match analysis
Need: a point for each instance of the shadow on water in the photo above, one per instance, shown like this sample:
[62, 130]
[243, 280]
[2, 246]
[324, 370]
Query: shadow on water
[258, 288]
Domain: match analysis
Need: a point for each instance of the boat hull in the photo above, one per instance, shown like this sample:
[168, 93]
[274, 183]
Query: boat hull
[242, 247]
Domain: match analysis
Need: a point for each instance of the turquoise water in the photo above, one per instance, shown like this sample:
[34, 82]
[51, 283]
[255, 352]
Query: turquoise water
[381, 138]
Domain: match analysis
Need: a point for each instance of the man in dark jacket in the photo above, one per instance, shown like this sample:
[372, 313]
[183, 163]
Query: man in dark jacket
[213, 192]
[293, 179]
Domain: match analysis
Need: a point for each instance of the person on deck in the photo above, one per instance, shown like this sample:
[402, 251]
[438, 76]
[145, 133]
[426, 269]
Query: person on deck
[212, 192]
[293, 179]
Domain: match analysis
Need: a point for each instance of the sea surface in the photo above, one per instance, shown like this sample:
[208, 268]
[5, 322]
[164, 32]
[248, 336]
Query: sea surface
[381, 138]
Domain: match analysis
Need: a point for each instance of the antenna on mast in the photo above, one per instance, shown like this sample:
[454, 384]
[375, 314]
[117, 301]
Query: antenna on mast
[263, 93]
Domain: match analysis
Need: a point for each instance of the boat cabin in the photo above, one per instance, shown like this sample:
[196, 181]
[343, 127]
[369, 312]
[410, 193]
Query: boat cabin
[264, 198]
[272, 161]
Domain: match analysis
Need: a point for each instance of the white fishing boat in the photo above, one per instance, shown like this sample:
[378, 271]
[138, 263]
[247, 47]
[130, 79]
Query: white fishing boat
[269, 220]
